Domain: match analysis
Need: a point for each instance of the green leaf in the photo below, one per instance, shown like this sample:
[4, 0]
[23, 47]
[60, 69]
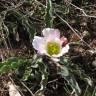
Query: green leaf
[89, 91]
[27, 74]
[29, 26]
[48, 14]
[81, 73]
[64, 61]
[73, 83]
[63, 71]
[4, 68]
[11, 63]
[24, 20]
[44, 77]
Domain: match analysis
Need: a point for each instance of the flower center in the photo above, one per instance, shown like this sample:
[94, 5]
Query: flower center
[53, 48]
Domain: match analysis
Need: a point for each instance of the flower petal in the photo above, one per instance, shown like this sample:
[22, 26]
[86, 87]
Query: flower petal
[51, 33]
[63, 40]
[38, 44]
[55, 59]
[63, 51]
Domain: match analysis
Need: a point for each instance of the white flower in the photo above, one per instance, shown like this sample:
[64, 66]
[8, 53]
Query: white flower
[51, 44]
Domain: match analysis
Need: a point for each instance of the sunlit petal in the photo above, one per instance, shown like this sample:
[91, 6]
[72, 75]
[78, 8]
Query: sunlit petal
[64, 50]
[38, 44]
[51, 33]
[63, 40]
[55, 59]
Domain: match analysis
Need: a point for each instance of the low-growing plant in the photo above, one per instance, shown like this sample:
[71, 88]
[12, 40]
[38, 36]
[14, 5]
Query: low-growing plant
[49, 66]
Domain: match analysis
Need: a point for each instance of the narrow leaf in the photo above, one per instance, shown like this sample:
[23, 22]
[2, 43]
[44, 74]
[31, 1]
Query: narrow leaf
[48, 14]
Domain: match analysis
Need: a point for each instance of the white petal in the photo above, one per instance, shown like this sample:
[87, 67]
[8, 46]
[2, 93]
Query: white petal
[63, 40]
[63, 51]
[51, 33]
[38, 44]
[55, 59]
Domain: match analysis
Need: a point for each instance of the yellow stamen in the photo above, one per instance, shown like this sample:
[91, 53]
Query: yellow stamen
[53, 48]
